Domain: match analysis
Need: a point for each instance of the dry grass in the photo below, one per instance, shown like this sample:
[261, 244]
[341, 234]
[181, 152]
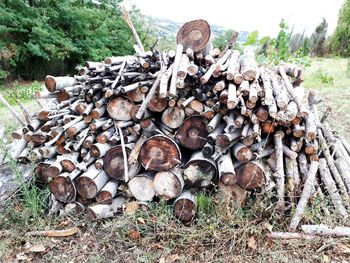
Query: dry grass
[219, 234]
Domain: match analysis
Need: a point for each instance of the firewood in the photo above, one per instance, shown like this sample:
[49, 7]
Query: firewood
[250, 175]
[192, 133]
[305, 195]
[324, 230]
[169, 184]
[58, 83]
[150, 94]
[344, 172]
[99, 150]
[157, 104]
[119, 107]
[248, 64]
[233, 73]
[332, 188]
[108, 192]
[279, 172]
[91, 182]
[141, 186]
[227, 175]
[113, 163]
[242, 153]
[185, 207]
[194, 34]
[199, 171]
[69, 161]
[159, 153]
[173, 117]
[177, 60]
[63, 186]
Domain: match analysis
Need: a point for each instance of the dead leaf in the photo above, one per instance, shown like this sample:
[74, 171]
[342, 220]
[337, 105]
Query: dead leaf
[134, 234]
[55, 233]
[38, 248]
[140, 221]
[131, 207]
[252, 242]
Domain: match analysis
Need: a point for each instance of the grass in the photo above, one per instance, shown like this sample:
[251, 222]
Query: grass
[335, 93]
[220, 233]
[25, 93]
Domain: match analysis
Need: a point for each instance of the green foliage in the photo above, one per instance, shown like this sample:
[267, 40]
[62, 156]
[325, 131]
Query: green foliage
[282, 42]
[222, 40]
[341, 37]
[24, 93]
[252, 39]
[205, 205]
[318, 39]
[37, 37]
[324, 77]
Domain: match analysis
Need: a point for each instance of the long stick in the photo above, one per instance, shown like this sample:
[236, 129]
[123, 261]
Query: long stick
[12, 110]
[305, 195]
[132, 28]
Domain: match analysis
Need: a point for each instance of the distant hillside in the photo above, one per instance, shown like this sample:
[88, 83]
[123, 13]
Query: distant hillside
[168, 29]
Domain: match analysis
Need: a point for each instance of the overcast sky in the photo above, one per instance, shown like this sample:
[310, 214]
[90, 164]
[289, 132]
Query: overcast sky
[250, 15]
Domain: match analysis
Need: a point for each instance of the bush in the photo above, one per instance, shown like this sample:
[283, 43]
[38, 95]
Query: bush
[324, 77]
[22, 92]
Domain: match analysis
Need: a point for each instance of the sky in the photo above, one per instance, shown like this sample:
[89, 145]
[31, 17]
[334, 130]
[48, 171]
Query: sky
[247, 15]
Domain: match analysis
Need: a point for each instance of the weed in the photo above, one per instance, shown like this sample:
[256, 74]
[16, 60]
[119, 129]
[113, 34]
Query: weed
[31, 196]
[324, 77]
[24, 93]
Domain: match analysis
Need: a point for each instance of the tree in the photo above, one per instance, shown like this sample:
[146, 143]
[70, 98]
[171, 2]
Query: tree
[40, 37]
[317, 39]
[222, 40]
[282, 41]
[341, 37]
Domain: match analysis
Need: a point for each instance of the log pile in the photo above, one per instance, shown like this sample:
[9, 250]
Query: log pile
[165, 125]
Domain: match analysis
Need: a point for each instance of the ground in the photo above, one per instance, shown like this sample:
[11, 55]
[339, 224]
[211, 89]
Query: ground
[219, 234]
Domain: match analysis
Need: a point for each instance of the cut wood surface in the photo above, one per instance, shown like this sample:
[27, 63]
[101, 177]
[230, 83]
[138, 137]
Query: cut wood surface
[159, 153]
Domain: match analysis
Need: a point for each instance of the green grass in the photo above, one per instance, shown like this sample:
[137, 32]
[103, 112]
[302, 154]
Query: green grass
[336, 93]
[25, 93]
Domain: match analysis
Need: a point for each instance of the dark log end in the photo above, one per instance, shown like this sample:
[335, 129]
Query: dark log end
[250, 176]
[86, 187]
[50, 83]
[159, 153]
[192, 133]
[63, 189]
[185, 210]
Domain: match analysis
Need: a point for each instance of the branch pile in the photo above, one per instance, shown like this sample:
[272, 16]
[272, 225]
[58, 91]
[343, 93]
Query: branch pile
[165, 125]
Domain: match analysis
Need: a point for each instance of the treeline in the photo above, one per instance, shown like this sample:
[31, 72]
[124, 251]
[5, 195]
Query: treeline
[38, 37]
[341, 36]
[299, 47]
[287, 46]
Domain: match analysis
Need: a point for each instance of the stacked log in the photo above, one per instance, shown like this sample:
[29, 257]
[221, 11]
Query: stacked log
[167, 123]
